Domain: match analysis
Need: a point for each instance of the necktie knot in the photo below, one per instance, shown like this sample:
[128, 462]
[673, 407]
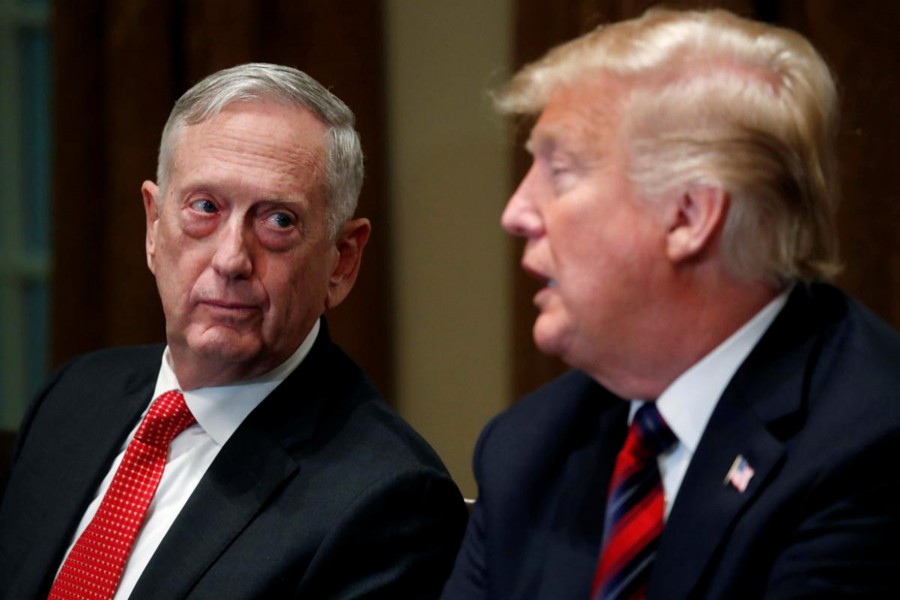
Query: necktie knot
[649, 434]
[168, 416]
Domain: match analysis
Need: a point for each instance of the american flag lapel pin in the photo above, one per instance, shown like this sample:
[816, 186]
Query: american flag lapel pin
[740, 474]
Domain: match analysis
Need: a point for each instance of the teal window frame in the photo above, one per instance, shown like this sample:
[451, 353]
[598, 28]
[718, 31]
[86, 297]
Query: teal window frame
[25, 184]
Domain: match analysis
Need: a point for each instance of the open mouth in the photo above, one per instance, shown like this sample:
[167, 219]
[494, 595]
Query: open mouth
[544, 280]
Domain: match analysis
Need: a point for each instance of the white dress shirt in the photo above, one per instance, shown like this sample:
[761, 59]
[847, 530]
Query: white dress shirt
[689, 401]
[219, 411]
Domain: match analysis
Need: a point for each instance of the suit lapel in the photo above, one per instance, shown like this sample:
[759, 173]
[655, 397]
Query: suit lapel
[768, 389]
[706, 506]
[90, 440]
[569, 551]
[251, 466]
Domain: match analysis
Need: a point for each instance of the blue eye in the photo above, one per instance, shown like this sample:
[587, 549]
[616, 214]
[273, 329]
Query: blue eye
[281, 220]
[204, 206]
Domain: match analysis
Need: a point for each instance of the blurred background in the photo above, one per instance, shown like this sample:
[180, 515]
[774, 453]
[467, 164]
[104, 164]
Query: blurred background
[441, 316]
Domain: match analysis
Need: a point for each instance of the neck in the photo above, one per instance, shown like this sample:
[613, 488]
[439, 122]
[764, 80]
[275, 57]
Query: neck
[689, 324]
[195, 372]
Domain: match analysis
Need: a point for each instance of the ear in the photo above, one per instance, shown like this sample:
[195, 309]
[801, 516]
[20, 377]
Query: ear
[350, 244]
[693, 220]
[150, 192]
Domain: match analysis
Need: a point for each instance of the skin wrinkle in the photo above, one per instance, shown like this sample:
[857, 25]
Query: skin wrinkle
[296, 164]
[240, 247]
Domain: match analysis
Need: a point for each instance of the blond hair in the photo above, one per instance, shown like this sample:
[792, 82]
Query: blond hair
[715, 99]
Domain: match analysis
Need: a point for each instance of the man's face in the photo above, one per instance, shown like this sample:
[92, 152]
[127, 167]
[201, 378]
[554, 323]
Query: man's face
[239, 245]
[593, 243]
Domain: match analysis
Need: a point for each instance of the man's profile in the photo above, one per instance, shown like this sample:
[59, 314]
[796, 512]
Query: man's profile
[731, 424]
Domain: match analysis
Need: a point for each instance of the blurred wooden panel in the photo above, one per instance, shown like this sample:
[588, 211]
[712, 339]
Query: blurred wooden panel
[861, 45]
[79, 178]
[138, 95]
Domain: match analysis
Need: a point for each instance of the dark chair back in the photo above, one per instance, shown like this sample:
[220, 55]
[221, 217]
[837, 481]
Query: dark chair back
[7, 440]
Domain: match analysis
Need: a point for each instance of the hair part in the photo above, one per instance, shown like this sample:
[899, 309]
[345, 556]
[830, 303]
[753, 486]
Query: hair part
[259, 82]
[715, 99]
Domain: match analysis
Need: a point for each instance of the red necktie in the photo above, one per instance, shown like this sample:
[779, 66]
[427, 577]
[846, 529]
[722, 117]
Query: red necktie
[634, 510]
[95, 564]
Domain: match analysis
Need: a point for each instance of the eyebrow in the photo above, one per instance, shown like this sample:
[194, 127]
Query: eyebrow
[222, 185]
[542, 141]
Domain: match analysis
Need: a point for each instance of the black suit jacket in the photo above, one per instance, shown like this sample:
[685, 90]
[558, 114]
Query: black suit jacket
[322, 492]
[815, 410]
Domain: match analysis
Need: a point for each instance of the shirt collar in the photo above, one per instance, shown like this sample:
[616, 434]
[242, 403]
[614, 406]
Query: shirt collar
[688, 402]
[220, 410]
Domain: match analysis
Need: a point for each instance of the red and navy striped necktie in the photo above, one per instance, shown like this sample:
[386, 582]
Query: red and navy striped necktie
[634, 510]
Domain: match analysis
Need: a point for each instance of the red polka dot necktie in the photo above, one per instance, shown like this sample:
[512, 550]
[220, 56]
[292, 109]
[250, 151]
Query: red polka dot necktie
[634, 510]
[95, 564]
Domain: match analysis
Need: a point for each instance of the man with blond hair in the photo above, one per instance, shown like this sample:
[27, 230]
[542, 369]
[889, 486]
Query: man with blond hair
[732, 424]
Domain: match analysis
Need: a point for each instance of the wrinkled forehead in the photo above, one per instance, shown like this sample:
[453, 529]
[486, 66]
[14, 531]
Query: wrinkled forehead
[278, 144]
[581, 116]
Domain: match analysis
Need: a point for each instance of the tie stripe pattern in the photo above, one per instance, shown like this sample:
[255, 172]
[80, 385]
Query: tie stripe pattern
[95, 564]
[634, 512]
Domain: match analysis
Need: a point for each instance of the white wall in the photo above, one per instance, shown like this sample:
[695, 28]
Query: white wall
[449, 179]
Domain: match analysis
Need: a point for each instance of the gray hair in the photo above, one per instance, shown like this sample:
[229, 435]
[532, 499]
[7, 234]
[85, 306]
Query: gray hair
[714, 99]
[261, 81]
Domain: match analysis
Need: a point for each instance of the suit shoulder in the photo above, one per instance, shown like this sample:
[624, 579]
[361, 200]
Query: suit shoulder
[828, 385]
[856, 346]
[544, 427]
[357, 419]
[118, 359]
[870, 335]
[553, 406]
[94, 377]
[394, 442]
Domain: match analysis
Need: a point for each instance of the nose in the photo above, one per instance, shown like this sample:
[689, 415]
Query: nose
[232, 256]
[521, 217]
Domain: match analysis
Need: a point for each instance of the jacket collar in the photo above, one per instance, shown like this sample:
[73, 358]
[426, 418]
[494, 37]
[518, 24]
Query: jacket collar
[766, 393]
[250, 467]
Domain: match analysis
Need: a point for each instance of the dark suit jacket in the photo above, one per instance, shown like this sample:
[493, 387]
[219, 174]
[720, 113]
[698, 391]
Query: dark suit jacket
[815, 410]
[322, 492]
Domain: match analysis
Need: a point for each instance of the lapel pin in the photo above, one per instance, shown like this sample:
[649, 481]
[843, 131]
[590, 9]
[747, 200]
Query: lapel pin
[740, 474]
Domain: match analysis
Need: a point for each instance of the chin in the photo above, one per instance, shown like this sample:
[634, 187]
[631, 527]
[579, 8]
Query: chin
[227, 348]
[549, 339]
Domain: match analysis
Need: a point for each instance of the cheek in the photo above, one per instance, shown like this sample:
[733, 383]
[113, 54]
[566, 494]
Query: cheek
[290, 284]
[181, 266]
[581, 259]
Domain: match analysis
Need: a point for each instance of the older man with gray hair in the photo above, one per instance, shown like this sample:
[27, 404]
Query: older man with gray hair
[249, 457]
[732, 426]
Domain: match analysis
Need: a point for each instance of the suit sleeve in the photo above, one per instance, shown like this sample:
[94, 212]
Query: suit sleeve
[14, 534]
[34, 406]
[398, 540]
[847, 543]
[469, 580]
[25, 425]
